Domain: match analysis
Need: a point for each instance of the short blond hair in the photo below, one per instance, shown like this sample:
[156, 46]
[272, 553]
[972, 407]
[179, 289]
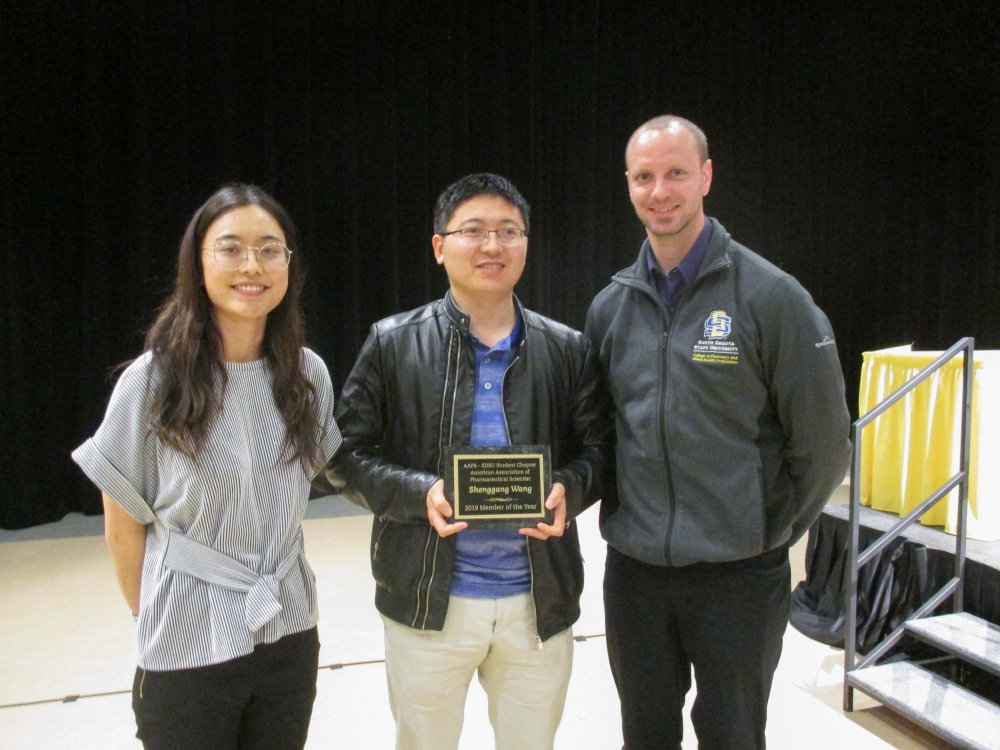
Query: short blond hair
[666, 122]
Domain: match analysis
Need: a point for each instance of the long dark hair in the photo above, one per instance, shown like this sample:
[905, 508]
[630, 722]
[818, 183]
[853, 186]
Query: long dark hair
[187, 349]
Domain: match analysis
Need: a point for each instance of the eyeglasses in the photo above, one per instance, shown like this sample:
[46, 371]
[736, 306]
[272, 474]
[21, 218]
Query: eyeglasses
[478, 236]
[233, 254]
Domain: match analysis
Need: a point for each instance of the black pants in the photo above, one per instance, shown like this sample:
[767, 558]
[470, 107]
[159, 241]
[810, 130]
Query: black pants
[261, 700]
[726, 620]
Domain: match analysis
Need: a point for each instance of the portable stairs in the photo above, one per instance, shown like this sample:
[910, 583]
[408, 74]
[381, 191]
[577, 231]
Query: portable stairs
[916, 689]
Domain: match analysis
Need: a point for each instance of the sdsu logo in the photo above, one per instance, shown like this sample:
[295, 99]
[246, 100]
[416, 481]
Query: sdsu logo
[716, 348]
[718, 325]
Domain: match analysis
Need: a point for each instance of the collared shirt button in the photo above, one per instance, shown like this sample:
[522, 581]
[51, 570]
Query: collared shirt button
[488, 386]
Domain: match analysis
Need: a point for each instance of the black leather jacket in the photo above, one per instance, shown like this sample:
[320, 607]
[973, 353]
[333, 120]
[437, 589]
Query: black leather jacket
[409, 395]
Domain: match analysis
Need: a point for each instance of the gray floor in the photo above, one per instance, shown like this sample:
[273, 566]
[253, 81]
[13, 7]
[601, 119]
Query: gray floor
[66, 654]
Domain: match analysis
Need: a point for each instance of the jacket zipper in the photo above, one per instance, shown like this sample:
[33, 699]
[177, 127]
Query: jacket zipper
[451, 372]
[642, 286]
[432, 536]
[378, 540]
[665, 443]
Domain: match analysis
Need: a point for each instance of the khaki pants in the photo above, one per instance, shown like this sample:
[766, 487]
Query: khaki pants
[429, 672]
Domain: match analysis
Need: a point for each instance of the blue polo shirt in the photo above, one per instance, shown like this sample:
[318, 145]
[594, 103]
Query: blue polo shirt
[671, 285]
[491, 563]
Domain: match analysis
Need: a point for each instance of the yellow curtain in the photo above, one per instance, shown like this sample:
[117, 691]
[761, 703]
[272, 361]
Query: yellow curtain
[914, 447]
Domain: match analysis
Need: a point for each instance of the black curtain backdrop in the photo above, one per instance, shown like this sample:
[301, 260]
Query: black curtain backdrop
[856, 148]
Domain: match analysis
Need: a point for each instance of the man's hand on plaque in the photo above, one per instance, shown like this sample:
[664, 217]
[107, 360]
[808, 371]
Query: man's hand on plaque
[556, 502]
[439, 510]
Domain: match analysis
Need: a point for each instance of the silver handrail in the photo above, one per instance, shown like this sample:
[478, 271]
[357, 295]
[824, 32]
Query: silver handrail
[961, 480]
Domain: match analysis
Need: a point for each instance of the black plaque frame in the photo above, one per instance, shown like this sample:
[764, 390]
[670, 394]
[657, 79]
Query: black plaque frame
[498, 486]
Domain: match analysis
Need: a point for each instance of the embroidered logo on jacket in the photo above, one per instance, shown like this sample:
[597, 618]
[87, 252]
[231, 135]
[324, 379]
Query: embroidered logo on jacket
[715, 347]
[718, 325]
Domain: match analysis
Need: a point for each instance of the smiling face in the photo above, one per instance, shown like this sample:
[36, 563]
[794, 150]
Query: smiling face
[666, 184]
[482, 273]
[243, 297]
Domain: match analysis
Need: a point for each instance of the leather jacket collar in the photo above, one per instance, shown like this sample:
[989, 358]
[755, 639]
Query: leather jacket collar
[460, 319]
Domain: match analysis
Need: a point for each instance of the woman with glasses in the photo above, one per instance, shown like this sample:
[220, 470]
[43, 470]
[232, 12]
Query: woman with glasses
[204, 459]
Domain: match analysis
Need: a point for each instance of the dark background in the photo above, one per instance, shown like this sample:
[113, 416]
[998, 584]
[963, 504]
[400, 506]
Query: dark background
[856, 148]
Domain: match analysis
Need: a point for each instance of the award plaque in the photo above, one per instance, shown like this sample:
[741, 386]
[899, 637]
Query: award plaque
[502, 486]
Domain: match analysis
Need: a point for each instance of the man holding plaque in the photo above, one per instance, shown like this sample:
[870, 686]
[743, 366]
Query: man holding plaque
[732, 433]
[474, 432]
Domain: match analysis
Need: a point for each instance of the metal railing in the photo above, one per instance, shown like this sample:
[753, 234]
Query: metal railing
[952, 587]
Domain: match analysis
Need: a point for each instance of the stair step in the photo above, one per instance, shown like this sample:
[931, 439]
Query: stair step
[940, 706]
[969, 637]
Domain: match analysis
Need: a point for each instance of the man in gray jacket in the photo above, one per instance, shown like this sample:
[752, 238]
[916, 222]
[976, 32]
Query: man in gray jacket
[732, 432]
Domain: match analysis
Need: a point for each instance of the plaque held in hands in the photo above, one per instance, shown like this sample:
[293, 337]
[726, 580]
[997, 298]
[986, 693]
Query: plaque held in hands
[498, 486]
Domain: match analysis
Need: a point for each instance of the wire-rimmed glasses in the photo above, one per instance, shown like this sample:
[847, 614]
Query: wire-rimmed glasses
[232, 255]
[479, 236]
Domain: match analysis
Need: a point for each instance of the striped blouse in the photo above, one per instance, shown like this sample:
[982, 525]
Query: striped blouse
[224, 568]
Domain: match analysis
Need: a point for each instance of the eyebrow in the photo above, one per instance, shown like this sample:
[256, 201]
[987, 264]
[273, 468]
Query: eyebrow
[231, 236]
[478, 220]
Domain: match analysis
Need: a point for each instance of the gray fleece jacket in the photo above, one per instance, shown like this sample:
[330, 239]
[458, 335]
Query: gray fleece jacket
[732, 428]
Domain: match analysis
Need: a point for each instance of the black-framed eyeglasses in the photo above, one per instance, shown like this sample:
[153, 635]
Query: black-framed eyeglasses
[478, 236]
[232, 255]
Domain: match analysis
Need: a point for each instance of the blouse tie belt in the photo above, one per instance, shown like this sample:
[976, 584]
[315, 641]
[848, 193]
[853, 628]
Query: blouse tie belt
[201, 561]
